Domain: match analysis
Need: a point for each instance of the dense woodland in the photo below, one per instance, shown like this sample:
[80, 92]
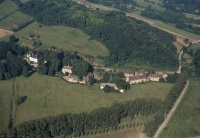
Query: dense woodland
[197, 62]
[126, 39]
[12, 61]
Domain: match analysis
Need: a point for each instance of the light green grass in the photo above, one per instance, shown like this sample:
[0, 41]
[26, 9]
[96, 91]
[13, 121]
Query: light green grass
[185, 122]
[52, 96]
[144, 4]
[15, 20]
[5, 102]
[65, 38]
[6, 8]
[195, 46]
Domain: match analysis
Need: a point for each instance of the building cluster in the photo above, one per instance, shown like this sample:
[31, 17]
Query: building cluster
[134, 77]
[74, 78]
[32, 58]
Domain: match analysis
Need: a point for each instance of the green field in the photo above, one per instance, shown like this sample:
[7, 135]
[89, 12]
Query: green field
[145, 4]
[52, 96]
[65, 38]
[15, 20]
[5, 102]
[195, 47]
[185, 122]
[6, 8]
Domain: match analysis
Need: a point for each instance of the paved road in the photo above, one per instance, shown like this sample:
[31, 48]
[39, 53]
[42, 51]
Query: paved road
[163, 125]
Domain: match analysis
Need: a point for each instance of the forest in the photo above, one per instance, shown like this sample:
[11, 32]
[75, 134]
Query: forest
[127, 39]
[197, 63]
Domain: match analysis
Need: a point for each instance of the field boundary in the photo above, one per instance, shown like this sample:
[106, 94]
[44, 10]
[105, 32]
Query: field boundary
[172, 111]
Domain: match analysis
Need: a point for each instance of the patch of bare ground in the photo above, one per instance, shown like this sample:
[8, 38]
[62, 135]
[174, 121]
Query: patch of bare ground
[129, 133]
[4, 32]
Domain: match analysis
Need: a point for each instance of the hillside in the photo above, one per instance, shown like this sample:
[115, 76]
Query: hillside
[122, 36]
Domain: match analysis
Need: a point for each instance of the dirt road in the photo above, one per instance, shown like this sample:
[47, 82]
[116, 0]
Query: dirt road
[4, 32]
[163, 125]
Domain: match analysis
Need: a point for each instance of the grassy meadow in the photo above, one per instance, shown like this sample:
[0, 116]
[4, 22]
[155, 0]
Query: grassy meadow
[15, 20]
[195, 46]
[65, 38]
[6, 8]
[48, 96]
[186, 120]
[5, 102]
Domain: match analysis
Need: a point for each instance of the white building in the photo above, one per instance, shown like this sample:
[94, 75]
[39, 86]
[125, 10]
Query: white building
[32, 57]
[138, 79]
[67, 69]
[154, 77]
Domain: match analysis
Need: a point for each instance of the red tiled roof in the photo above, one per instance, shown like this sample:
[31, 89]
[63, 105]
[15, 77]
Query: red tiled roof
[137, 77]
[154, 75]
[67, 67]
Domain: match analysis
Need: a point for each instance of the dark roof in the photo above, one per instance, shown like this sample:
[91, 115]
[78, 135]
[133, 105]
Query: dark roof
[32, 54]
[126, 71]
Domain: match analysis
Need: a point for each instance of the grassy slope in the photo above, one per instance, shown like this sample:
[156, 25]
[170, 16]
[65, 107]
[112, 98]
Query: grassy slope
[65, 38]
[5, 101]
[14, 20]
[195, 47]
[6, 8]
[53, 96]
[186, 120]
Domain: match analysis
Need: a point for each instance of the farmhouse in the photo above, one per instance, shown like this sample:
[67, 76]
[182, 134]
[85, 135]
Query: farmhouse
[32, 56]
[138, 79]
[71, 78]
[127, 73]
[154, 77]
[112, 85]
[140, 72]
[67, 69]
[84, 80]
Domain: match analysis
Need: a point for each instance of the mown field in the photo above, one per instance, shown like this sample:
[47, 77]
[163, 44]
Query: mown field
[186, 120]
[52, 96]
[195, 46]
[6, 8]
[15, 20]
[5, 102]
[65, 38]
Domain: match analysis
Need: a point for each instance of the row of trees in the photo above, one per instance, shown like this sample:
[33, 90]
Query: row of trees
[175, 17]
[174, 93]
[197, 62]
[80, 123]
[126, 39]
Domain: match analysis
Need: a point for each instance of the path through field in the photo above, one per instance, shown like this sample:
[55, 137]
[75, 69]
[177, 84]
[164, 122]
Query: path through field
[4, 32]
[163, 125]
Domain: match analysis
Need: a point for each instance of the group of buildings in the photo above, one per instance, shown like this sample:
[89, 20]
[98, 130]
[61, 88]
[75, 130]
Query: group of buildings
[74, 78]
[134, 77]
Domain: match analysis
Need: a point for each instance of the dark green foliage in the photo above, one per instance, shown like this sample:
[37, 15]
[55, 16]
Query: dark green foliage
[11, 60]
[171, 78]
[92, 80]
[42, 69]
[175, 91]
[197, 63]
[80, 123]
[126, 39]
[13, 39]
[152, 126]
[25, 71]
[81, 68]
[107, 89]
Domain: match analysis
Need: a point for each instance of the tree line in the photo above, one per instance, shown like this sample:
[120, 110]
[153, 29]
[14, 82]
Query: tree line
[174, 93]
[12, 63]
[197, 62]
[67, 124]
[127, 39]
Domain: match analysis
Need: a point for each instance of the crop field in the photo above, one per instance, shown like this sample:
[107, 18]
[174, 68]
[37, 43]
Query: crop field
[186, 120]
[65, 38]
[4, 32]
[49, 96]
[6, 8]
[5, 102]
[15, 20]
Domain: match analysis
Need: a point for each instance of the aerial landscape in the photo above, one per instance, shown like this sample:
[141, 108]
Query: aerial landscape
[99, 68]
